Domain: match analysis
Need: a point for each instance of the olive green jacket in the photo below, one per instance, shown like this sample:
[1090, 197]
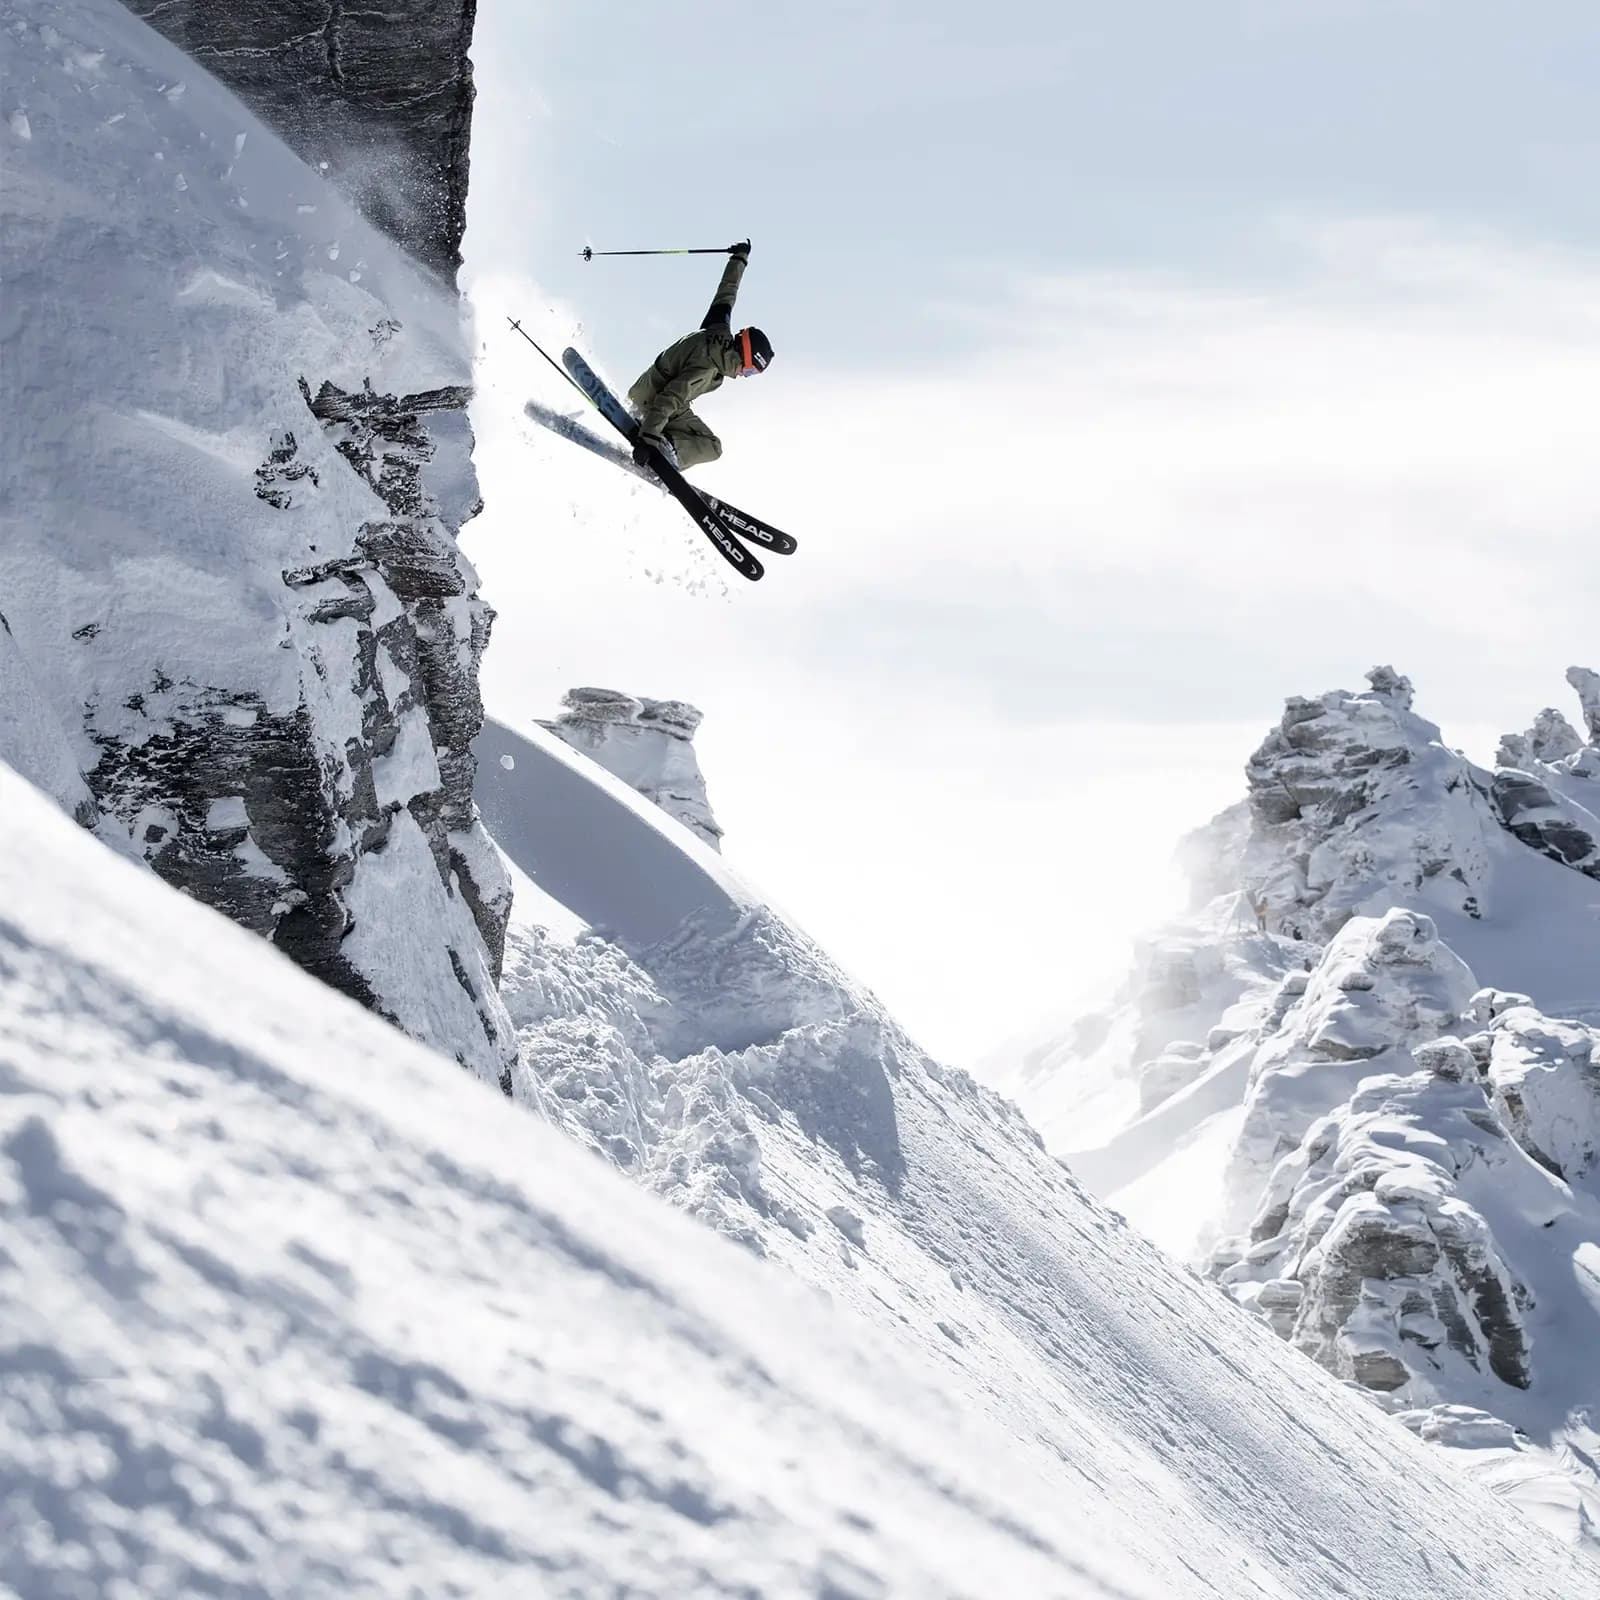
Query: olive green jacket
[696, 364]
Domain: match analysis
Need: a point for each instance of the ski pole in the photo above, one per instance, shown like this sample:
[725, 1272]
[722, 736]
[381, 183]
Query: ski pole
[589, 252]
[542, 351]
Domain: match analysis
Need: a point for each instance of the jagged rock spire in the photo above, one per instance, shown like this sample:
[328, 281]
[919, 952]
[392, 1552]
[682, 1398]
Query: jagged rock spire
[1392, 685]
[1587, 684]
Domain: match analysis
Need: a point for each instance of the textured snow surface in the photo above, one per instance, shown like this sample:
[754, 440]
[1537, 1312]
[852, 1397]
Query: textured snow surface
[1303, 1087]
[293, 1308]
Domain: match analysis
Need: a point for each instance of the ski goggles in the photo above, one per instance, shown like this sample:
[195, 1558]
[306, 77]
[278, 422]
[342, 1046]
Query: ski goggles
[750, 366]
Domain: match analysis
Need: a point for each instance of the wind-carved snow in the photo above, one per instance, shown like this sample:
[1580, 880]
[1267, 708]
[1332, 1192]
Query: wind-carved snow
[228, 565]
[1303, 1088]
[286, 1295]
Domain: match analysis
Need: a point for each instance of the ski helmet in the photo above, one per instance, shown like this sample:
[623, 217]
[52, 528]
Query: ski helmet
[755, 350]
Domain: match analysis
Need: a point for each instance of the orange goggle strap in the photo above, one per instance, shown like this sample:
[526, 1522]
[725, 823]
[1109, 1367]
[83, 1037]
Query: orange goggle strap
[744, 350]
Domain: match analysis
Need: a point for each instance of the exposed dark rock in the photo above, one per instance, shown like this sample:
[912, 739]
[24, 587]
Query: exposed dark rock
[438, 642]
[229, 771]
[250, 810]
[382, 96]
[1543, 820]
[276, 475]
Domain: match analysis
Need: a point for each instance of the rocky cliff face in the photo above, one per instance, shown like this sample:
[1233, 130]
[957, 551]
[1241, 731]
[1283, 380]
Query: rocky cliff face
[238, 623]
[646, 743]
[378, 97]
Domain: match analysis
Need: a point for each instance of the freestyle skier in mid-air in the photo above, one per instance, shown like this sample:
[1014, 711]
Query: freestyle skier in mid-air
[661, 435]
[666, 390]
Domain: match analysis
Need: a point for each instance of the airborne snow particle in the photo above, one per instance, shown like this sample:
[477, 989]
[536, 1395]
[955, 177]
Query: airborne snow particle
[509, 763]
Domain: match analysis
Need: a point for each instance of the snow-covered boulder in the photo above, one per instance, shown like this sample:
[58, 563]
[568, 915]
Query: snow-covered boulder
[1543, 1075]
[1384, 985]
[1395, 1272]
[648, 744]
[237, 457]
[1543, 819]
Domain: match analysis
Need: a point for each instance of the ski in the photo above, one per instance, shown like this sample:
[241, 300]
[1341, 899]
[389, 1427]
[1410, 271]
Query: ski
[741, 522]
[566, 427]
[753, 528]
[673, 481]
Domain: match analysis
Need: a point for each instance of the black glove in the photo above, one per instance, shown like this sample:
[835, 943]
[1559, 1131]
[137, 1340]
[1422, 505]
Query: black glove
[741, 250]
[646, 447]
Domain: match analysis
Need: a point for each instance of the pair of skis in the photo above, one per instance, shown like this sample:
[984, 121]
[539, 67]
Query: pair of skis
[725, 525]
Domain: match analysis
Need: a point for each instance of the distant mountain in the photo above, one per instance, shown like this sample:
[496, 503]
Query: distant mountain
[1306, 1088]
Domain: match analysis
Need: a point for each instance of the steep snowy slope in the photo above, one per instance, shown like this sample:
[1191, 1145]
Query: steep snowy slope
[1305, 1088]
[295, 1309]
[235, 455]
[706, 1047]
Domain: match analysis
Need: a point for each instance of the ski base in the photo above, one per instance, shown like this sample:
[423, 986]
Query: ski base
[742, 523]
[671, 479]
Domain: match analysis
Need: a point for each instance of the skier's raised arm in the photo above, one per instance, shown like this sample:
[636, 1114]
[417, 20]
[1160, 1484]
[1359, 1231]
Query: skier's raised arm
[721, 313]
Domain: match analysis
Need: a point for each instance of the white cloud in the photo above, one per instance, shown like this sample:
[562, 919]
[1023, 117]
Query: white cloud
[1134, 504]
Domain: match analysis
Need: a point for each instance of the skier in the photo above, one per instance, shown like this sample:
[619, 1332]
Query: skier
[694, 366]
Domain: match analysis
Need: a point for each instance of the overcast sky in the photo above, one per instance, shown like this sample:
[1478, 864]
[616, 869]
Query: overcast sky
[1136, 368]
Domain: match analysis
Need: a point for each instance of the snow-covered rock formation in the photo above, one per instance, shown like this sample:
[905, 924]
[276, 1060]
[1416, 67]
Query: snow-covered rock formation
[1547, 782]
[1364, 771]
[646, 743]
[236, 457]
[1586, 685]
[1303, 1088]
[294, 1308]
[380, 98]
